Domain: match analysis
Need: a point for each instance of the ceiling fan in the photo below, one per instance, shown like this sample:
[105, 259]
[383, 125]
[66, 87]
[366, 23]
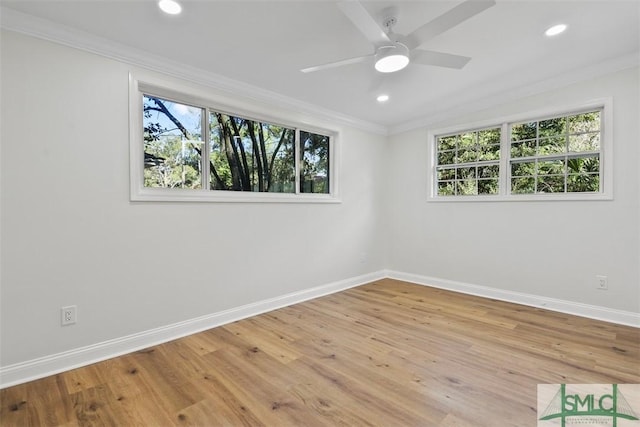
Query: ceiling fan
[393, 51]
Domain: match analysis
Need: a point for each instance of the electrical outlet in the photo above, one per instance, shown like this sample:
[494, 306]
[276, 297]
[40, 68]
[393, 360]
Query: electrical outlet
[602, 283]
[68, 315]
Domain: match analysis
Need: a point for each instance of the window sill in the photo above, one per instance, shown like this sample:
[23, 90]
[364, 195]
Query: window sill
[560, 197]
[210, 196]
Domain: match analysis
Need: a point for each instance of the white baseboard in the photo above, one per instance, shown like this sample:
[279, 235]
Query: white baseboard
[60, 362]
[49, 365]
[584, 310]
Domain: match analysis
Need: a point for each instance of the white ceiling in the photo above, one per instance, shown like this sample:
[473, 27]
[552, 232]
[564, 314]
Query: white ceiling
[265, 43]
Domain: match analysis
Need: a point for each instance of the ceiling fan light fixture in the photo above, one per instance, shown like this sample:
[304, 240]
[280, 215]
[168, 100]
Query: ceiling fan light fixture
[392, 58]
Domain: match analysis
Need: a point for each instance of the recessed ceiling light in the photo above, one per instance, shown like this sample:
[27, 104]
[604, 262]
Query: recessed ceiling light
[555, 30]
[382, 98]
[170, 6]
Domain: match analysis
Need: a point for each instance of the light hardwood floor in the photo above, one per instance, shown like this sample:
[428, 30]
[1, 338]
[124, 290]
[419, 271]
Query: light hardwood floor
[387, 353]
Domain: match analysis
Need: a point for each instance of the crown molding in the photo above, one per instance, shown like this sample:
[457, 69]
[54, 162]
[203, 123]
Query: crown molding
[492, 94]
[495, 94]
[12, 20]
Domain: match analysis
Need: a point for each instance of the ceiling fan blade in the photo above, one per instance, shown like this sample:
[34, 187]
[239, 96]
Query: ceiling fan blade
[438, 59]
[344, 62]
[364, 22]
[442, 23]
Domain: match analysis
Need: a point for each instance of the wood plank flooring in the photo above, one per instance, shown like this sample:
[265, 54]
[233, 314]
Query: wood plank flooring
[387, 353]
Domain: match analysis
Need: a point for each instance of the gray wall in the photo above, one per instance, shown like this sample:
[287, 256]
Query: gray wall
[552, 249]
[70, 235]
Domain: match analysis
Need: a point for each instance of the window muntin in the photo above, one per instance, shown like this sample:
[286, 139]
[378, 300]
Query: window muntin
[468, 163]
[225, 153]
[556, 157]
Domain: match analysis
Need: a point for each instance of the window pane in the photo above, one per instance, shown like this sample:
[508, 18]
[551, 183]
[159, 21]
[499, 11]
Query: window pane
[522, 131]
[583, 165]
[446, 174]
[489, 137]
[524, 185]
[466, 156]
[488, 186]
[446, 143]
[550, 184]
[464, 173]
[523, 169]
[554, 167]
[314, 163]
[467, 187]
[281, 160]
[247, 155]
[552, 127]
[492, 171]
[553, 145]
[523, 149]
[489, 152]
[584, 142]
[447, 158]
[583, 183]
[467, 140]
[587, 122]
[446, 188]
[172, 144]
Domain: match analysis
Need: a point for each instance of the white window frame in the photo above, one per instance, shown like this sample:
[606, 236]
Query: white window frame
[606, 155]
[139, 86]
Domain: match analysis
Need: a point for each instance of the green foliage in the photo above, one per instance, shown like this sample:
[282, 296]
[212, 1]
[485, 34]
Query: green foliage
[587, 122]
[523, 168]
[446, 188]
[584, 174]
[580, 174]
[487, 186]
[172, 154]
[244, 154]
[474, 157]
[523, 149]
[584, 142]
[314, 163]
[524, 131]
[248, 155]
[489, 171]
[552, 145]
[576, 133]
[179, 166]
[552, 127]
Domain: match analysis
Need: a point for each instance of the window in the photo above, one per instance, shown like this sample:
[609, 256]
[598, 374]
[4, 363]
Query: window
[314, 170]
[173, 143]
[186, 149]
[558, 156]
[468, 163]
